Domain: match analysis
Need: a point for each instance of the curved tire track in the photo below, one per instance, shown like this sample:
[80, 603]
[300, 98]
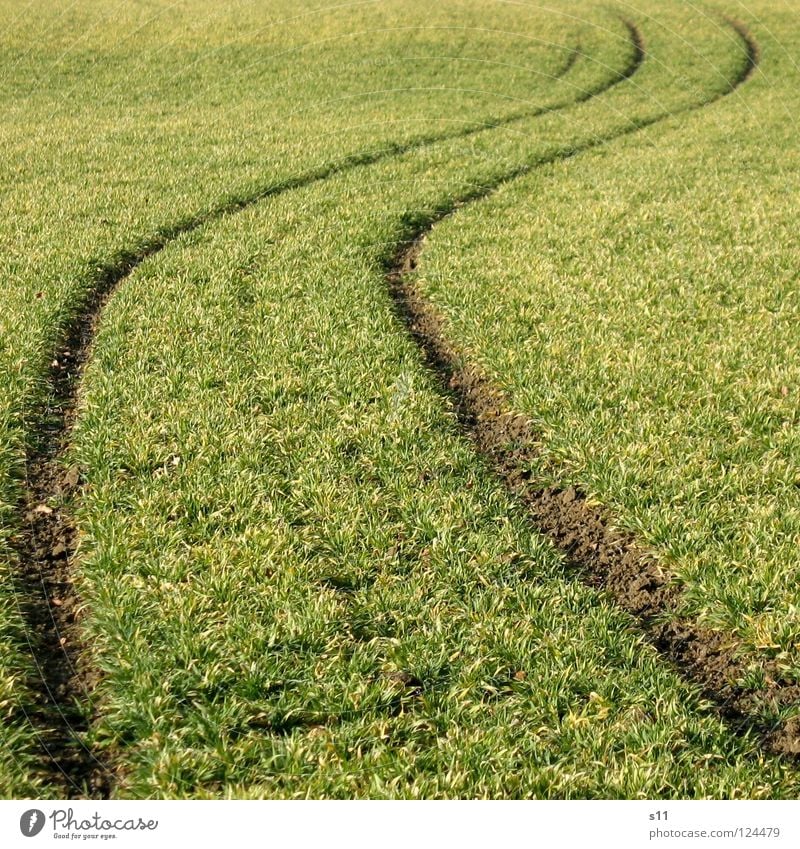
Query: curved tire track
[47, 542]
[602, 556]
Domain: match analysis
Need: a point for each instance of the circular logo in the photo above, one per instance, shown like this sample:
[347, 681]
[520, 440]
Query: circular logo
[31, 822]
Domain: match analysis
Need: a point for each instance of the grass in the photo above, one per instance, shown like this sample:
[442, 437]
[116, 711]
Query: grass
[299, 581]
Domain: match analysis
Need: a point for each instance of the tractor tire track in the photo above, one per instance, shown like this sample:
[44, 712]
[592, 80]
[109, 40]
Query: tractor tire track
[601, 555]
[47, 540]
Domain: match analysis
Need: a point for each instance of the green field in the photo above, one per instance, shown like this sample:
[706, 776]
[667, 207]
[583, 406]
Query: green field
[297, 572]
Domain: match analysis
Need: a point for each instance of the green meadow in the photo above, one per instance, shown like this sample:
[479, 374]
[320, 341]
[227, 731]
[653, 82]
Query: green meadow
[297, 577]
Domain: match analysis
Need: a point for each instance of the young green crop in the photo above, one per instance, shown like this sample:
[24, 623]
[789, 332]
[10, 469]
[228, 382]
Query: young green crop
[298, 579]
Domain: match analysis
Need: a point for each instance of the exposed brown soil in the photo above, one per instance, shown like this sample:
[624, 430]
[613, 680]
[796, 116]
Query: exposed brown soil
[753, 53]
[46, 545]
[602, 555]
